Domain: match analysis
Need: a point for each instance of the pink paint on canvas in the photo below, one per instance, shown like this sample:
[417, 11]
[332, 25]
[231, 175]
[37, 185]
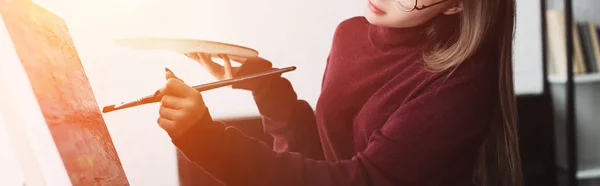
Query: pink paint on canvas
[64, 94]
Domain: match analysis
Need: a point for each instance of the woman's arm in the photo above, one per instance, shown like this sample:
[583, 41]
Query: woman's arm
[423, 140]
[290, 121]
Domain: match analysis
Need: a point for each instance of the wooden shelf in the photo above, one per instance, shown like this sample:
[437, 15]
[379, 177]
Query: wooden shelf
[582, 78]
[588, 174]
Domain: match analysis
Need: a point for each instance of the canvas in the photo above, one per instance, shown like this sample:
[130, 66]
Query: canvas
[61, 88]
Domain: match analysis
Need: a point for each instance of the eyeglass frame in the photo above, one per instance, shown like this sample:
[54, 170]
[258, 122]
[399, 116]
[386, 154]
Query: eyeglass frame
[416, 7]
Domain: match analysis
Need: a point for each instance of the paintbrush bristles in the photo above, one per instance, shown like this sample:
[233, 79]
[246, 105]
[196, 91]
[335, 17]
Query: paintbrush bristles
[108, 109]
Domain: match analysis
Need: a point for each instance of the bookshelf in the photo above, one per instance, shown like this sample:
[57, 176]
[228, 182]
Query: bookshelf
[572, 62]
[577, 79]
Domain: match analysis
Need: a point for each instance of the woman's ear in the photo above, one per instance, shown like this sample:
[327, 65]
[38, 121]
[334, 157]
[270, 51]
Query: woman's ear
[456, 8]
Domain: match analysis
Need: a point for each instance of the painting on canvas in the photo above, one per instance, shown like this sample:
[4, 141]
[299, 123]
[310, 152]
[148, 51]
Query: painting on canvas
[58, 80]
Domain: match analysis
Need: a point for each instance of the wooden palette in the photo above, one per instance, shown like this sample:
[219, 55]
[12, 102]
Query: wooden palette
[182, 46]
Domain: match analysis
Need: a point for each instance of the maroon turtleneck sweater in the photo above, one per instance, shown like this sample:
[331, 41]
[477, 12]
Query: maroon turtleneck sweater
[382, 119]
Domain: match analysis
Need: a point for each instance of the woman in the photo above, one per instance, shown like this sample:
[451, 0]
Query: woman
[414, 93]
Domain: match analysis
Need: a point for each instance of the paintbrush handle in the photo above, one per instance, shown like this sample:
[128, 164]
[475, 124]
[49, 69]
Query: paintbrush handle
[138, 102]
[156, 97]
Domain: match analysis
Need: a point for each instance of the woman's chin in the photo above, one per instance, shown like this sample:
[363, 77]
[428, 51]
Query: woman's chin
[373, 18]
[386, 21]
[377, 20]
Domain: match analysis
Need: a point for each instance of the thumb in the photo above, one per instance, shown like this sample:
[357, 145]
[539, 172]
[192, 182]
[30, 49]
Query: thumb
[169, 74]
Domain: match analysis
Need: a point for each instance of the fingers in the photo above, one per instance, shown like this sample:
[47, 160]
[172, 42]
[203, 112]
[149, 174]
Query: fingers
[172, 102]
[221, 72]
[175, 86]
[169, 113]
[208, 62]
[165, 123]
[180, 105]
[203, 59]
[194, 56]
[227, 66]
[212, 67]
[169, 74]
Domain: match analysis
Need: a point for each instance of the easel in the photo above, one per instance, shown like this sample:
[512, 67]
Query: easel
[51, 150]
[29, 137]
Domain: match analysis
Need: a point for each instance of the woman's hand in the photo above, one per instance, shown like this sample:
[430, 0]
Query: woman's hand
[220, 72]
[249, 65]
[181, 106]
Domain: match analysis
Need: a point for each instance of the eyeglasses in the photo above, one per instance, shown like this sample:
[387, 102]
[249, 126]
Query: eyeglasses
[411, 5]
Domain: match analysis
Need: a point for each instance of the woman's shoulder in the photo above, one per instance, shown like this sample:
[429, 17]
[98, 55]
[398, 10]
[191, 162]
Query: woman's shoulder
[479, 72]
[476, 73]
[350, 30]
[353, 21]
[351, 24]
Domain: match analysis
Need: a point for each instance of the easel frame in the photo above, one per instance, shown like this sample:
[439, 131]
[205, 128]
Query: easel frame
[28, 133]
[55, 125]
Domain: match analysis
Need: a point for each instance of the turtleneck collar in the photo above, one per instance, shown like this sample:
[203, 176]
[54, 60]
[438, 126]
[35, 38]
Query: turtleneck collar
[385, 38]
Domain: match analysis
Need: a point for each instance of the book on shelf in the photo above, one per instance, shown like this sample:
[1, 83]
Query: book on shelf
[587, 31]
[586, 45]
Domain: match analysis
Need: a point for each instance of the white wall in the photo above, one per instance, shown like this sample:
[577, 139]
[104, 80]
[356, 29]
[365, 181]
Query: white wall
[528, 48]
[286, 32]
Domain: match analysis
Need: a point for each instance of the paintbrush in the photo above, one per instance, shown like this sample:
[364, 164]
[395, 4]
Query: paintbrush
[156, 97]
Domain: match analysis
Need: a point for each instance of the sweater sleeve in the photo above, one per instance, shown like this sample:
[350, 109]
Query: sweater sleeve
[290, 121]
[420, 139]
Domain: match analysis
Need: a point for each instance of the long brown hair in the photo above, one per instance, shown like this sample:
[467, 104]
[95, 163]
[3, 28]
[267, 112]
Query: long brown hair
[456, 38]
